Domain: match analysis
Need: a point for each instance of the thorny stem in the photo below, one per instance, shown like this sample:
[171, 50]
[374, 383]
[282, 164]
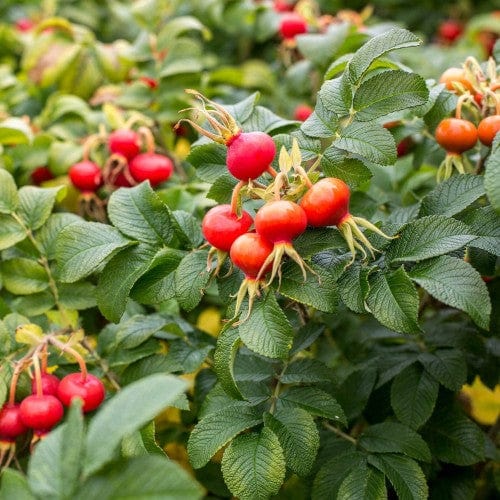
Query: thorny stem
[339, 433]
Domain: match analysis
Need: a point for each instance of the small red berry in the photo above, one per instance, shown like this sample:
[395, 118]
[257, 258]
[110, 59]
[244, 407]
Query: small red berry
[49, 384]
[41, 412]
[24, 24]
[41, 174]
[292, 24]
[450, 30]
[220, 226]
[249, 253]
[125, 142]
[249, 154]
[456, 135]
[90, 389]
[11, 424]
[151, 166]
[302, 112]
[488, 128]
[85, 175]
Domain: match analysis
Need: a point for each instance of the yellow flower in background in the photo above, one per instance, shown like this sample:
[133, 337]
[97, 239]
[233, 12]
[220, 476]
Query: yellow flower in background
[485, 403]
[209, 321]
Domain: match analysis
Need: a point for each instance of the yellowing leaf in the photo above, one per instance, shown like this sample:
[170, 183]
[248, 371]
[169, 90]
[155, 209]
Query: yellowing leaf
[209, 321]
[485, 403]
[30, 334]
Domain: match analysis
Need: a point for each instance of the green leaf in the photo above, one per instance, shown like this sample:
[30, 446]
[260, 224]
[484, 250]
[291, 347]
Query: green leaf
[335, 163]
[36, 204]
[392, 437]
[378, 46]
[363, 483]
[491, 175]
[253, 465]
[11, 232]
[80, 295]
[14, 484]
[9, 198]
[49, 232]
[118, 278]
[447, 366]
[453, 438]
[355, 390]
[209, 161]
[220, 191]
[188, 355]
[387, 92]
[165, 480]
[139, 213]
[428, 237]
[336, 95]
[457, 284]
[322, 123]
[187, 228]
[228, 343]
[318, 291]
[452, 196]
[413, 395]
[313, 400]
[23, 276]
[485, 223]
[404, 474]
[55, 466]
[369, 142]
[267, 330]
[331, 475]
[298, 437]
[393, 300]
[315, 240]
[353, 286]
[15, 131]
[140, 402]
[83, 246]
[191, 277]
[306, 371]
[138, 329]
[216, 429]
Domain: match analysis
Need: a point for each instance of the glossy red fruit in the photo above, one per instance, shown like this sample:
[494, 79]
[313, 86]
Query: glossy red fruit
[50, 383]
[11, 424]
[302, 112]
[282, 6]
[326, 203]
[450, 30]
[221, 226]
[456, 135]
[125, 142]
[404, 146]
[41, 174]
[292, 24]
[280, 221]
[90, 390]
[249, 252]
[85, 175]
[152, 167]
[41, 412]
[488, 128]
[249, 154]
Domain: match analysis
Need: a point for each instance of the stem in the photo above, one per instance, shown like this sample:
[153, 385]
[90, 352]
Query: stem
[73, 352]
[277, 389]
[103, 364]
[339, 433]
[271, 171]
[18, 368]
[45, 264]
[38, 374]
[235, 197]
[149, 140]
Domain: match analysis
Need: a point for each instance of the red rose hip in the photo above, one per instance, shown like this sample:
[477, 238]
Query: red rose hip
[89, 389]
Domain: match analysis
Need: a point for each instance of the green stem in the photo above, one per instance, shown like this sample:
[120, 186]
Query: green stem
[45, 264]
[277, 389]
[339, 433]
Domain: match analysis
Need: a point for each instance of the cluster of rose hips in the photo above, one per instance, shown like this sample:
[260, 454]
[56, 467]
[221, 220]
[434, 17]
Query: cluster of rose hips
[44, 407]
[291, 203]
[478, 96]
